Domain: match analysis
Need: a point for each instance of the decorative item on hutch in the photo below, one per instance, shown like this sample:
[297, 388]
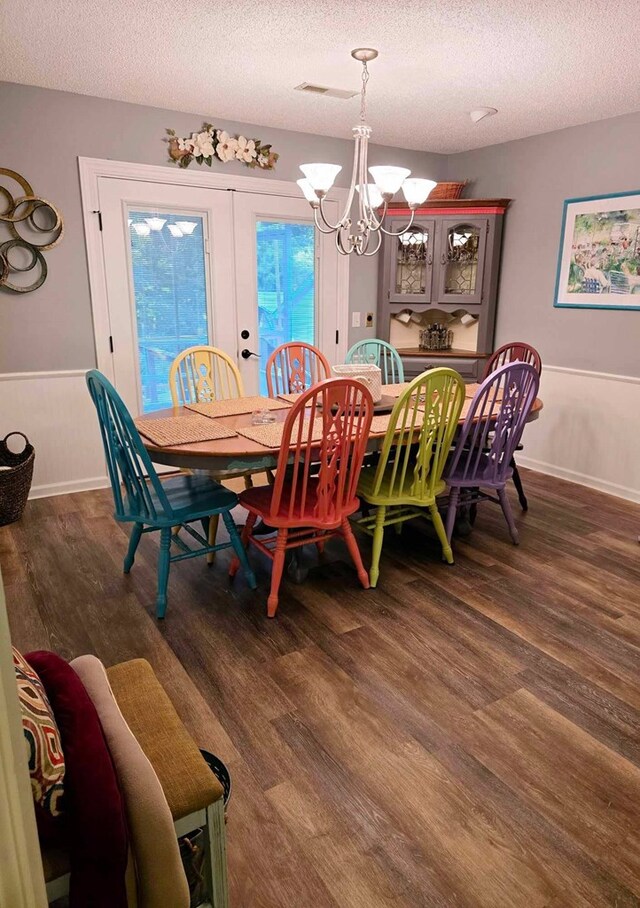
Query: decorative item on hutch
[34, 226]
[439, 281]
[373, 198]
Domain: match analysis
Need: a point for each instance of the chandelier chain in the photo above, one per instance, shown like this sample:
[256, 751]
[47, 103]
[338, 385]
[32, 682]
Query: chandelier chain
[363, 93]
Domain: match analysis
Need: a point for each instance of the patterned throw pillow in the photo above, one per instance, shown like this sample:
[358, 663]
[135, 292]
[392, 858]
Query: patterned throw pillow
[44, 747]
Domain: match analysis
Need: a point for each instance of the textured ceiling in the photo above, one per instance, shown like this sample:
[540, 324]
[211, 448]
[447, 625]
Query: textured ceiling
[544, 65]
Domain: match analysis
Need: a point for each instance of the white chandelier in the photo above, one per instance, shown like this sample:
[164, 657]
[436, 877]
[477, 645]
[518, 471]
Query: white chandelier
[373, 198]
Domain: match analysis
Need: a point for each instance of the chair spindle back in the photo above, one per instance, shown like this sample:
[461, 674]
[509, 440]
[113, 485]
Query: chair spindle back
[380, 354]
[128, 462]
[421, 429]
[494, 424]
[203, 374]
[328, 428]
[294, 367]
[510, 353]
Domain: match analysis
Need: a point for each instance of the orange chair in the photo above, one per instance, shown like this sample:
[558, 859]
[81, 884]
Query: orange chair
[294, 367]
[313, 496]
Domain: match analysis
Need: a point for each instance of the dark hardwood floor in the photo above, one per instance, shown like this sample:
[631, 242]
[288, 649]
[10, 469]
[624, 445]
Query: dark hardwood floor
[460, 736]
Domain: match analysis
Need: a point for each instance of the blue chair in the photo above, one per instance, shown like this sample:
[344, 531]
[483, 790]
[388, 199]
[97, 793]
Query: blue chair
[381, 354]
[155, 505]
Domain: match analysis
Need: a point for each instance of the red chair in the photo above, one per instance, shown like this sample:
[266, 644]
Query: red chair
[294, 367]
[509, 353]
[313, 496]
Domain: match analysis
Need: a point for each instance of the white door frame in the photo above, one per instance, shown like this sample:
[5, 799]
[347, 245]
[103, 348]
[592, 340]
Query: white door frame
[91, 169]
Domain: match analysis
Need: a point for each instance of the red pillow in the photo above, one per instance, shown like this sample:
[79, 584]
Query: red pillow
[96, 821]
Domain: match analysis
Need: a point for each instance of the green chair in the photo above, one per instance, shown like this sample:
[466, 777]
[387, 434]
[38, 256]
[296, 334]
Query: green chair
[408, 476]
[154, 505]
[379, 353]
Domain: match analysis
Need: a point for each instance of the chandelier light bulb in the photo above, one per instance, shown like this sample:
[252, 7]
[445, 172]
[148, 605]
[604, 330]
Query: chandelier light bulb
[142, 229]
[389, 179]
[186, 227]
[375, 196]
[417, 191]
[321, 176]
[174, 230]
[156, 223]
[308, 191]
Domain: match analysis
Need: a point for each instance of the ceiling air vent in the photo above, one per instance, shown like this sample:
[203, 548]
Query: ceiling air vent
[323, 90]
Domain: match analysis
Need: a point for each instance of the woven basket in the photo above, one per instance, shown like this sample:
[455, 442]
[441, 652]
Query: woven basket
[447, 190]
[15, 483]
[369, 374]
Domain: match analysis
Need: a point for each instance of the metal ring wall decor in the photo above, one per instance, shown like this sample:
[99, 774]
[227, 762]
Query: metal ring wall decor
[19, 214]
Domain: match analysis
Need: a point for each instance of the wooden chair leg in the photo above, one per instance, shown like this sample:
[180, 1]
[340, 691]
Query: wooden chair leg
[354, 551]
[508, 514]
[276, 571]
[378, 538]
[248, 481]
[454, 496]
[134, 539]
[163, 571]
[239, 549]
[246, 533]
[447, 554]
[216, 858]
[213, 532]
[522, 498]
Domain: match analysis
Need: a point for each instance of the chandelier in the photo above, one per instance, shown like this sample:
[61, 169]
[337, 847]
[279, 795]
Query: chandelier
[372, 198]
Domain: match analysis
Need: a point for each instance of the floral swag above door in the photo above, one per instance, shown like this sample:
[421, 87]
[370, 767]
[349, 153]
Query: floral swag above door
[216, 144]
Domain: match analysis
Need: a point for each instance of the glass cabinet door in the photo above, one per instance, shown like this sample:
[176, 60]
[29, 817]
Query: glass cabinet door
[410, 263]
[462, 251]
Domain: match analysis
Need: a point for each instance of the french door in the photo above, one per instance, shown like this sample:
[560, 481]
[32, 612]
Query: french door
[185, 265]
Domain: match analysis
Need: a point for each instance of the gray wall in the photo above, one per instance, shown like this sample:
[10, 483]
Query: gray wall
[539, 173]
[42, 134]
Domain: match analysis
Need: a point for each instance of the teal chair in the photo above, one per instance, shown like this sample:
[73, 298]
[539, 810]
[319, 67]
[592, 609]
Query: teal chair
[154, 505]
[381, 354]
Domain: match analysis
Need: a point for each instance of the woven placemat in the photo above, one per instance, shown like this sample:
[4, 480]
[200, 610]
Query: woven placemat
[237, 405]
[270, 435]
[292, 398]
[168, 431]
[380, 424]
[472, 387]
[396, 389]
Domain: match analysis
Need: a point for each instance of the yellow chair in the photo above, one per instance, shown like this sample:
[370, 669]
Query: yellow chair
[408, 476]
[200, 375]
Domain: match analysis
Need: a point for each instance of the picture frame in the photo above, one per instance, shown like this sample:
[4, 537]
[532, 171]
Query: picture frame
[599, 255]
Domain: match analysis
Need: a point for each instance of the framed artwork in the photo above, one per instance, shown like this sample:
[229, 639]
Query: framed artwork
[599, 259]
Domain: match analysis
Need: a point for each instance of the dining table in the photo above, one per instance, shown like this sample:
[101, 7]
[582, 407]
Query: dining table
[238, 454]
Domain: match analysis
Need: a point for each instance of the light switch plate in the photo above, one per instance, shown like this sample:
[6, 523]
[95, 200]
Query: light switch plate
[355, 319]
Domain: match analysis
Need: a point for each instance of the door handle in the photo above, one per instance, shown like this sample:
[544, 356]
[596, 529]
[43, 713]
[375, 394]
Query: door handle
[245, 354]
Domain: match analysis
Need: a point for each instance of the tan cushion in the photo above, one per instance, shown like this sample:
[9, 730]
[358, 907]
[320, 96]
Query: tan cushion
[159, 872]
[186, 780]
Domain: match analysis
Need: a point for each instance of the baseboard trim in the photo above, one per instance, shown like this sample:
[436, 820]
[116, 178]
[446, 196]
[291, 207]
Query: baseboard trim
[592, 482]
[68, 488]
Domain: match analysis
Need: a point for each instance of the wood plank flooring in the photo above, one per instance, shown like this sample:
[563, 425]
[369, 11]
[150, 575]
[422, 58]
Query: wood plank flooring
[461, 736]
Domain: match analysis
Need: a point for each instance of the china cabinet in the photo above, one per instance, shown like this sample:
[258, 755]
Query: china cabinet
[442, 272]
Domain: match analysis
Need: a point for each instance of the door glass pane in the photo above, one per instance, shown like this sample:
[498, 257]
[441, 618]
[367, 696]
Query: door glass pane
[461, 269]
[170, 289]
[411, 261]
[286, 286]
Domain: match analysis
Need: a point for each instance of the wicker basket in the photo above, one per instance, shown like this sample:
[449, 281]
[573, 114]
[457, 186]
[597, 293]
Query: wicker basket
[15, 482]
[447, 190]
[369, 374]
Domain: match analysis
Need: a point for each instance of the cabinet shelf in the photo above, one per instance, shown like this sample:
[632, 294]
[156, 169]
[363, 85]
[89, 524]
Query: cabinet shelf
[452, 352]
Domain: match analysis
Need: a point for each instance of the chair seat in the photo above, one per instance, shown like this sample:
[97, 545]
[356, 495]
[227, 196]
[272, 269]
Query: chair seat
[192, 496]
[403, 496]
[258, 501]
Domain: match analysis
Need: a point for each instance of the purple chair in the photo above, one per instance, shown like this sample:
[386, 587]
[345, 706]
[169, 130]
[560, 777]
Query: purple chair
[491, 432]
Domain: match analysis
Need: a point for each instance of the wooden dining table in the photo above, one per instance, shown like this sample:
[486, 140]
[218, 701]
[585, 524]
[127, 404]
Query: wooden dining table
[239, 454]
